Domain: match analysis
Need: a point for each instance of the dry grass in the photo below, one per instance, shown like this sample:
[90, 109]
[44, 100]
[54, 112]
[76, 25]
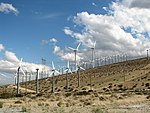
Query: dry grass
[112, 85]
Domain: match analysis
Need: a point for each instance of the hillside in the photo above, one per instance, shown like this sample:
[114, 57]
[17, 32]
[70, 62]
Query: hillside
[131, 75]
[109, 86]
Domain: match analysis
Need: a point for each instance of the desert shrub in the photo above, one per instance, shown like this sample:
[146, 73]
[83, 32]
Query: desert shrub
[110, 84]
[97, 110]
[101, 98]
[61, 104]
[1, 104]
[40, 104]
[68, 94]
[19, 95]
[6, 95]
[18, 102]
[90, 90]
[110, 87]
[24, 109]
[83, 88]
[134, 86]
[147, 84]
[83, 93]
[120, 85]
[104, 88]
[148, 97]
[86, 103]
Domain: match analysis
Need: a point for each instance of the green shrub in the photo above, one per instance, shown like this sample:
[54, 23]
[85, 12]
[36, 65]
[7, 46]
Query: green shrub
[6, 95]
[97, 110]
[18, 102]
[68, 94]
[24, 109]
[1, 104]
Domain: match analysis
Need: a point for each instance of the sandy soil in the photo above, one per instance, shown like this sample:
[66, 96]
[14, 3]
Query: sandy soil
[107, 104]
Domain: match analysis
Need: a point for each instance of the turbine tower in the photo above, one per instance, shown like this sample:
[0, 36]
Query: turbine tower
[37, 85]
[78, 72]
[93, 48]
[53, 75]
[75, 53]
[147, 53]
[18, 74]
[68, 70]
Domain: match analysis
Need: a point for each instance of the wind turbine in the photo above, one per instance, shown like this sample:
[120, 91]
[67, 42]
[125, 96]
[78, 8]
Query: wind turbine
[18, 73]
[147, 53]
[93, 48]
[78, 73]
[75, 53]
[15, 77]
[37, 75]
[53, 74]
[68, 70]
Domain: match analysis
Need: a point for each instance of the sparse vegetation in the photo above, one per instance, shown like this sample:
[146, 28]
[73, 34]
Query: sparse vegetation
[18, 102]
[102, 90]
[97, 110]
[24, 109]
[1, 104]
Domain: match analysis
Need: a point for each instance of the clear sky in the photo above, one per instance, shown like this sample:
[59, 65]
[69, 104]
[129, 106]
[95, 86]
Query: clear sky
[36, 29]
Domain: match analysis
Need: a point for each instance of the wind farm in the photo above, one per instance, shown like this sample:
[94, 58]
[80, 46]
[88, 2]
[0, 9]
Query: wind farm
[74, 56]
[84, 87]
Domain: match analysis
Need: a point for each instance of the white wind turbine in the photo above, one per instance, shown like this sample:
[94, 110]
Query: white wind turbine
[93, 48]
[68, 70]
[15, 77]
[53, 74]
[75, 53]
[78, 73]
[37, 77]
[18, 73]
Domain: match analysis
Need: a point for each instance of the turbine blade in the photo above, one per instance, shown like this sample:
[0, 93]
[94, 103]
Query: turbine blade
[78, 46]
[66, 70]
[52, 73]
[57, 72]
[53, 67]
[82, 68]
[94, 44]
[69, 70]
[21, 60]
[71, 48]
[22, 71]
[68, 64]
[3, 75]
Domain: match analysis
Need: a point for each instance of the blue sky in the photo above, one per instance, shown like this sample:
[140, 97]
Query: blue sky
[41, 20]
[36, 29]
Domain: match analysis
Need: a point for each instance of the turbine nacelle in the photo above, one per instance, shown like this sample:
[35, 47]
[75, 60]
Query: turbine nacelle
[68, 68]
[53, 69]
[75, 49]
